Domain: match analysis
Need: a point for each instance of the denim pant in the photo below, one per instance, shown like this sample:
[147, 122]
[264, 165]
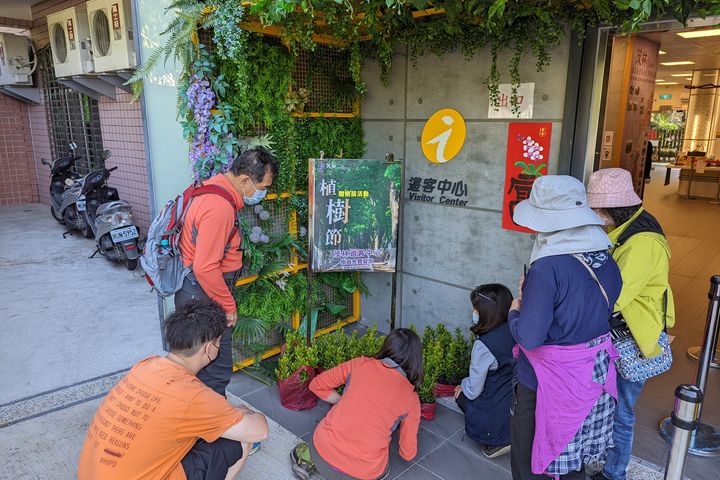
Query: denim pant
[618, 456]
[217, 374]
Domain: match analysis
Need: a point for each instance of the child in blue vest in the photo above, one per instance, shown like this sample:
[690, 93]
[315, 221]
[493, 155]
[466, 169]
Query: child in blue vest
[486, 393]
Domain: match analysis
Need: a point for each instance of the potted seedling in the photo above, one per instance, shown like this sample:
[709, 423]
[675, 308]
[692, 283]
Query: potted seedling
[456, 356]
[295, 371]
[446, 381]
[432, 363]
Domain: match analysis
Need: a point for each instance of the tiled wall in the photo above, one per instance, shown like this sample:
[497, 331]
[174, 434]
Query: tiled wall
[122, 133]
[15, 23]
[121, 125]
[18, 182]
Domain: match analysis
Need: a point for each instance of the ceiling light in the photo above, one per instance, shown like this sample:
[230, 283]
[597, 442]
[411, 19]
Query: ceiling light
[712, 32]
[681, 75]
[670, 64]
[662, 53]
[709, 74]
[668, 83]
[659, 80]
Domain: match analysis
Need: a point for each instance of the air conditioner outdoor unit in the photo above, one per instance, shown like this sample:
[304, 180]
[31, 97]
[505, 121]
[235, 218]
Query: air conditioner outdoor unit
[16, 62]
[70, 42]
[112, 34]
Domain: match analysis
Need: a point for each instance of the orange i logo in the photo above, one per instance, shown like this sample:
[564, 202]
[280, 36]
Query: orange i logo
[443, 135]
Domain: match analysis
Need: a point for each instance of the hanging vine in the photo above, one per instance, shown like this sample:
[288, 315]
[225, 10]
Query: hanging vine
[522, 27]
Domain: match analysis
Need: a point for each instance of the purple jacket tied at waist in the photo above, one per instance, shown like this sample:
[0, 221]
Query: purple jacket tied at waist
[566, 392]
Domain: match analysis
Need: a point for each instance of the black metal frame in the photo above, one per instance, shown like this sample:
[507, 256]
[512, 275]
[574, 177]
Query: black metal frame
[72, 118]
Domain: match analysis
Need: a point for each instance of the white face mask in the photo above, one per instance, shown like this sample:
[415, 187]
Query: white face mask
[476, 317]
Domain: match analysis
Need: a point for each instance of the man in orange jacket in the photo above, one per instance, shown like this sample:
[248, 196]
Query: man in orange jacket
[211, 248]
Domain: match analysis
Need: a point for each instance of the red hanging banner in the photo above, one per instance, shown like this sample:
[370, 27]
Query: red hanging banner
[528, 150]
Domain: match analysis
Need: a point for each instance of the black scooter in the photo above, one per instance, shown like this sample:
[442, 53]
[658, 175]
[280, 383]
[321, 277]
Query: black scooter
[65, 193]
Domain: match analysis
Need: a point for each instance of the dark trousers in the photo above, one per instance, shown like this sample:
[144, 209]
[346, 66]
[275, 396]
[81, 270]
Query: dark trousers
[211, 461]
[217, 374]
[522, 433]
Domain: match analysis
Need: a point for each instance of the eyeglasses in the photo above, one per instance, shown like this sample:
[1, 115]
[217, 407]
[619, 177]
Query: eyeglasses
[480, 294]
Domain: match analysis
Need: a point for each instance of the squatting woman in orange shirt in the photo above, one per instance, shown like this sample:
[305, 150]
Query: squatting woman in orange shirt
[353, 440]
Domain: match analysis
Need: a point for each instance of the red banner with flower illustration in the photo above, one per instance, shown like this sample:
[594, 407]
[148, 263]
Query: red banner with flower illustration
[528, 150]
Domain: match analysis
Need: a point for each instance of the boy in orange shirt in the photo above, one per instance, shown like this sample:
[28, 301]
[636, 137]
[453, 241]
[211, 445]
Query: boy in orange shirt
[161, 423]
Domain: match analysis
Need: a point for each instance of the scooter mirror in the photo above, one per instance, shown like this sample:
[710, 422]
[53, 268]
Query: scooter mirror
[106, 154]
[44, 162]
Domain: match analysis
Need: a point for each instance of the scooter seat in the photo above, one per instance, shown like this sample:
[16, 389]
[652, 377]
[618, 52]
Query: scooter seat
[114, 206]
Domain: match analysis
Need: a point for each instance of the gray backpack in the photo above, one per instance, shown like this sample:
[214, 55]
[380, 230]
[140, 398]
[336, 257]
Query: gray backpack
[161, 259]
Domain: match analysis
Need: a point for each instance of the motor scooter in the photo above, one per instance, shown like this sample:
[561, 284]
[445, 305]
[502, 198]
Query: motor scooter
[110, 220]
[65, 193]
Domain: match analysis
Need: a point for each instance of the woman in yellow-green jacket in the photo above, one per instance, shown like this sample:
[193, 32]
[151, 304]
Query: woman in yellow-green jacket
[645, 303]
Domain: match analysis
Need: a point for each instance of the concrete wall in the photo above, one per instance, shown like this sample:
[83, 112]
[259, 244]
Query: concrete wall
[18, 182]
[448, 250]
[121, 129]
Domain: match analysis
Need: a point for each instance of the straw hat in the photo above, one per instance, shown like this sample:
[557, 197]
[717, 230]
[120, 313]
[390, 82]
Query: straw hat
[612, 188]
[557, 202]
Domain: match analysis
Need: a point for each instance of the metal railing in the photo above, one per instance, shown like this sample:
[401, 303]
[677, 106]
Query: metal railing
[684, 428]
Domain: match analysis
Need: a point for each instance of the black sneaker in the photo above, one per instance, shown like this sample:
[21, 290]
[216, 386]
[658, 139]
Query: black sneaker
[492, 452]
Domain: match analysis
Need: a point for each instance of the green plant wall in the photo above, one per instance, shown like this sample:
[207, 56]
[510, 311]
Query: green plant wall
[259, 83]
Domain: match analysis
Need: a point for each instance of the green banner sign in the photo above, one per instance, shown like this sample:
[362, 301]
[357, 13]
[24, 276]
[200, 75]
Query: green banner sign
[354, 207]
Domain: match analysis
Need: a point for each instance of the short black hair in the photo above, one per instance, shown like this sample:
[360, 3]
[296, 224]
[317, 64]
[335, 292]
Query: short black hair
[192, 325]
[621, 215]
[492, 302]
[255, 163]
[404, 347]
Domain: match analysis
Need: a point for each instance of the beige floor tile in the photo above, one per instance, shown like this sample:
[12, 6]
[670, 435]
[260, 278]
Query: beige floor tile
[712, 267]
[698, 258]
[678, 282]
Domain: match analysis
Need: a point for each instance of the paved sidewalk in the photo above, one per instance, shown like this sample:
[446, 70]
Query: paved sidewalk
[66, 318]
[48, 447]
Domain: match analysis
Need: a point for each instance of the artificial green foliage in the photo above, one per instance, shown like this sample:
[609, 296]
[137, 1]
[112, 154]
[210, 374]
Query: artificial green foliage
[296, 100]
[272, 299]
[228, 37]
[332, 78]
[520, 27]
[207, 121]
[345, 282]
[337, 137]
[259, 81]
[296, 354]
[262, 258]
